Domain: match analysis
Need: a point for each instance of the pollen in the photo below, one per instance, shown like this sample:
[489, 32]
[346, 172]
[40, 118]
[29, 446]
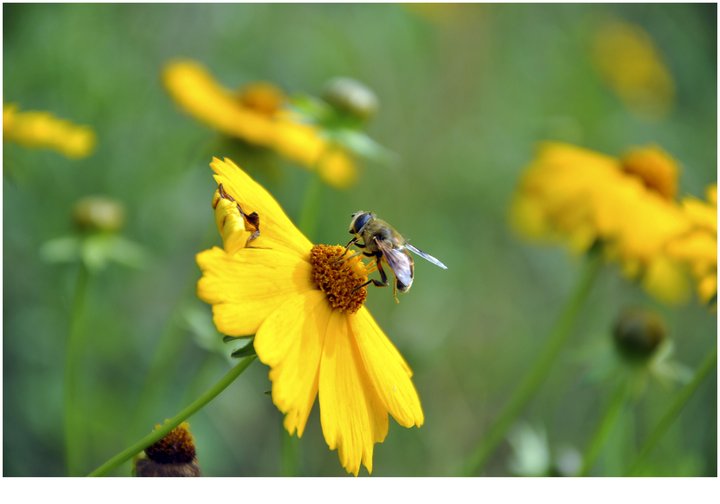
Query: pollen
[340, 276]
[178, 447]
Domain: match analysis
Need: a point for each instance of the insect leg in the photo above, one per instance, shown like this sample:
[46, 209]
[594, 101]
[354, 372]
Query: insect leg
[347, 247]
[383, 282]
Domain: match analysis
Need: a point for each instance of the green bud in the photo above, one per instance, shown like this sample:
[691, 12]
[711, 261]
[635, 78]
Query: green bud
[98, 213]
[638, 333]
[351, 97]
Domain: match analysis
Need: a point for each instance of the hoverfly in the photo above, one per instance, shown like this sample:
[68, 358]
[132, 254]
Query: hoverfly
[381, 241]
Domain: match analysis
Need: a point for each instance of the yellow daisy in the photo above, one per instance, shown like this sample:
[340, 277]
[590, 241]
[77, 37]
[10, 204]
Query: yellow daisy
[631, 65]
[698, 247]
[257, 114]
[302, 304]
[43, 130]
[579, 197]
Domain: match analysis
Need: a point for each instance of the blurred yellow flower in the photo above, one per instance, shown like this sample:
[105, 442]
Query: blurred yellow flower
[311, 327]
[698, 247]
[257, 114]
[43, 130]
[627, 59]
[578, 197]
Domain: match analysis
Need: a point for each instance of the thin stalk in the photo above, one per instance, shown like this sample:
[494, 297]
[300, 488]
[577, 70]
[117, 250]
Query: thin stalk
[307, 221]
[73, 351]
[540, 369]
[673, 411]
[170, 343]
[289, 453]
[169, 425]
[607, 422]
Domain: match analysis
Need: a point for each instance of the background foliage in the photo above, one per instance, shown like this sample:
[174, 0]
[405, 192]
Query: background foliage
[466, 92]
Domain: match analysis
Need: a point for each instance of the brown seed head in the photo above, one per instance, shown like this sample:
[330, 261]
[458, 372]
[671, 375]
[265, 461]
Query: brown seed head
[178, 447]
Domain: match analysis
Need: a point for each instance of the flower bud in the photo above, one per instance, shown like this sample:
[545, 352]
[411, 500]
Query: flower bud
[173, 455]
[351, 97]
[638, 333]
[98, 213]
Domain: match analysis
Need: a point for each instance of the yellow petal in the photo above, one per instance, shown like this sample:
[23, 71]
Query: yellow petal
[352, 416]
[387, 370]
[43, 130]
[276, 229]
[290, 341]
[666, 280]
[305, 144]
[196, 91]
[230, 224]
[245, 288]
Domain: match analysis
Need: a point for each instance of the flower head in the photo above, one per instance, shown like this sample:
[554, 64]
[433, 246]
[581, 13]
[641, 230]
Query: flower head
[305, 306]
[173, 455]
[579, 197]
[43, 130]
[698, 246]
[631, 65]
[258, 114]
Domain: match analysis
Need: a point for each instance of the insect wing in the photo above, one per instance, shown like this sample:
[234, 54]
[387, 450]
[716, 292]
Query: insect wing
[400, 262]
[425, 256]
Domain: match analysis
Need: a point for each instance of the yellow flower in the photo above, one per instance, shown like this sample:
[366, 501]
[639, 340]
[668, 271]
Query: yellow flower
[631, 65]
[43, 130]
[698, 247]
[259, 115]
[578, 197]
[302, 303]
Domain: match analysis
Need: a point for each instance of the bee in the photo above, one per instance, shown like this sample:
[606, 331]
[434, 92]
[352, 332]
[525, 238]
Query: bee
[381, 241]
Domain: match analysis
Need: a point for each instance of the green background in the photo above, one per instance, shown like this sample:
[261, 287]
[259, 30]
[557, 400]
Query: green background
[466, 93]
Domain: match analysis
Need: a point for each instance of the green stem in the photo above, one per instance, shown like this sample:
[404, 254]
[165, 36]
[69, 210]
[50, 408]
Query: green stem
[612, 412]
[307, 222]
[673, 411]
[73, 351]
[169, 425]
[169, 345]
[289, 453]
[535, 377]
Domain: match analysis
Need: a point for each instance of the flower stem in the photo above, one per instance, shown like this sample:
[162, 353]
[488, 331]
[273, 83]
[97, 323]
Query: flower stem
[289, 453]
[673, 411]
[72, 357]
[307, 222]
[535, 377]
[169, 425]
[169, 345]
[612, 412]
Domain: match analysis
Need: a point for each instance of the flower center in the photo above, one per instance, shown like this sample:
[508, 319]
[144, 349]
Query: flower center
[339, 277]
[262, 97]
[657, 170]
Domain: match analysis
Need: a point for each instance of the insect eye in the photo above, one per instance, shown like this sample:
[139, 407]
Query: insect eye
[360, 222]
